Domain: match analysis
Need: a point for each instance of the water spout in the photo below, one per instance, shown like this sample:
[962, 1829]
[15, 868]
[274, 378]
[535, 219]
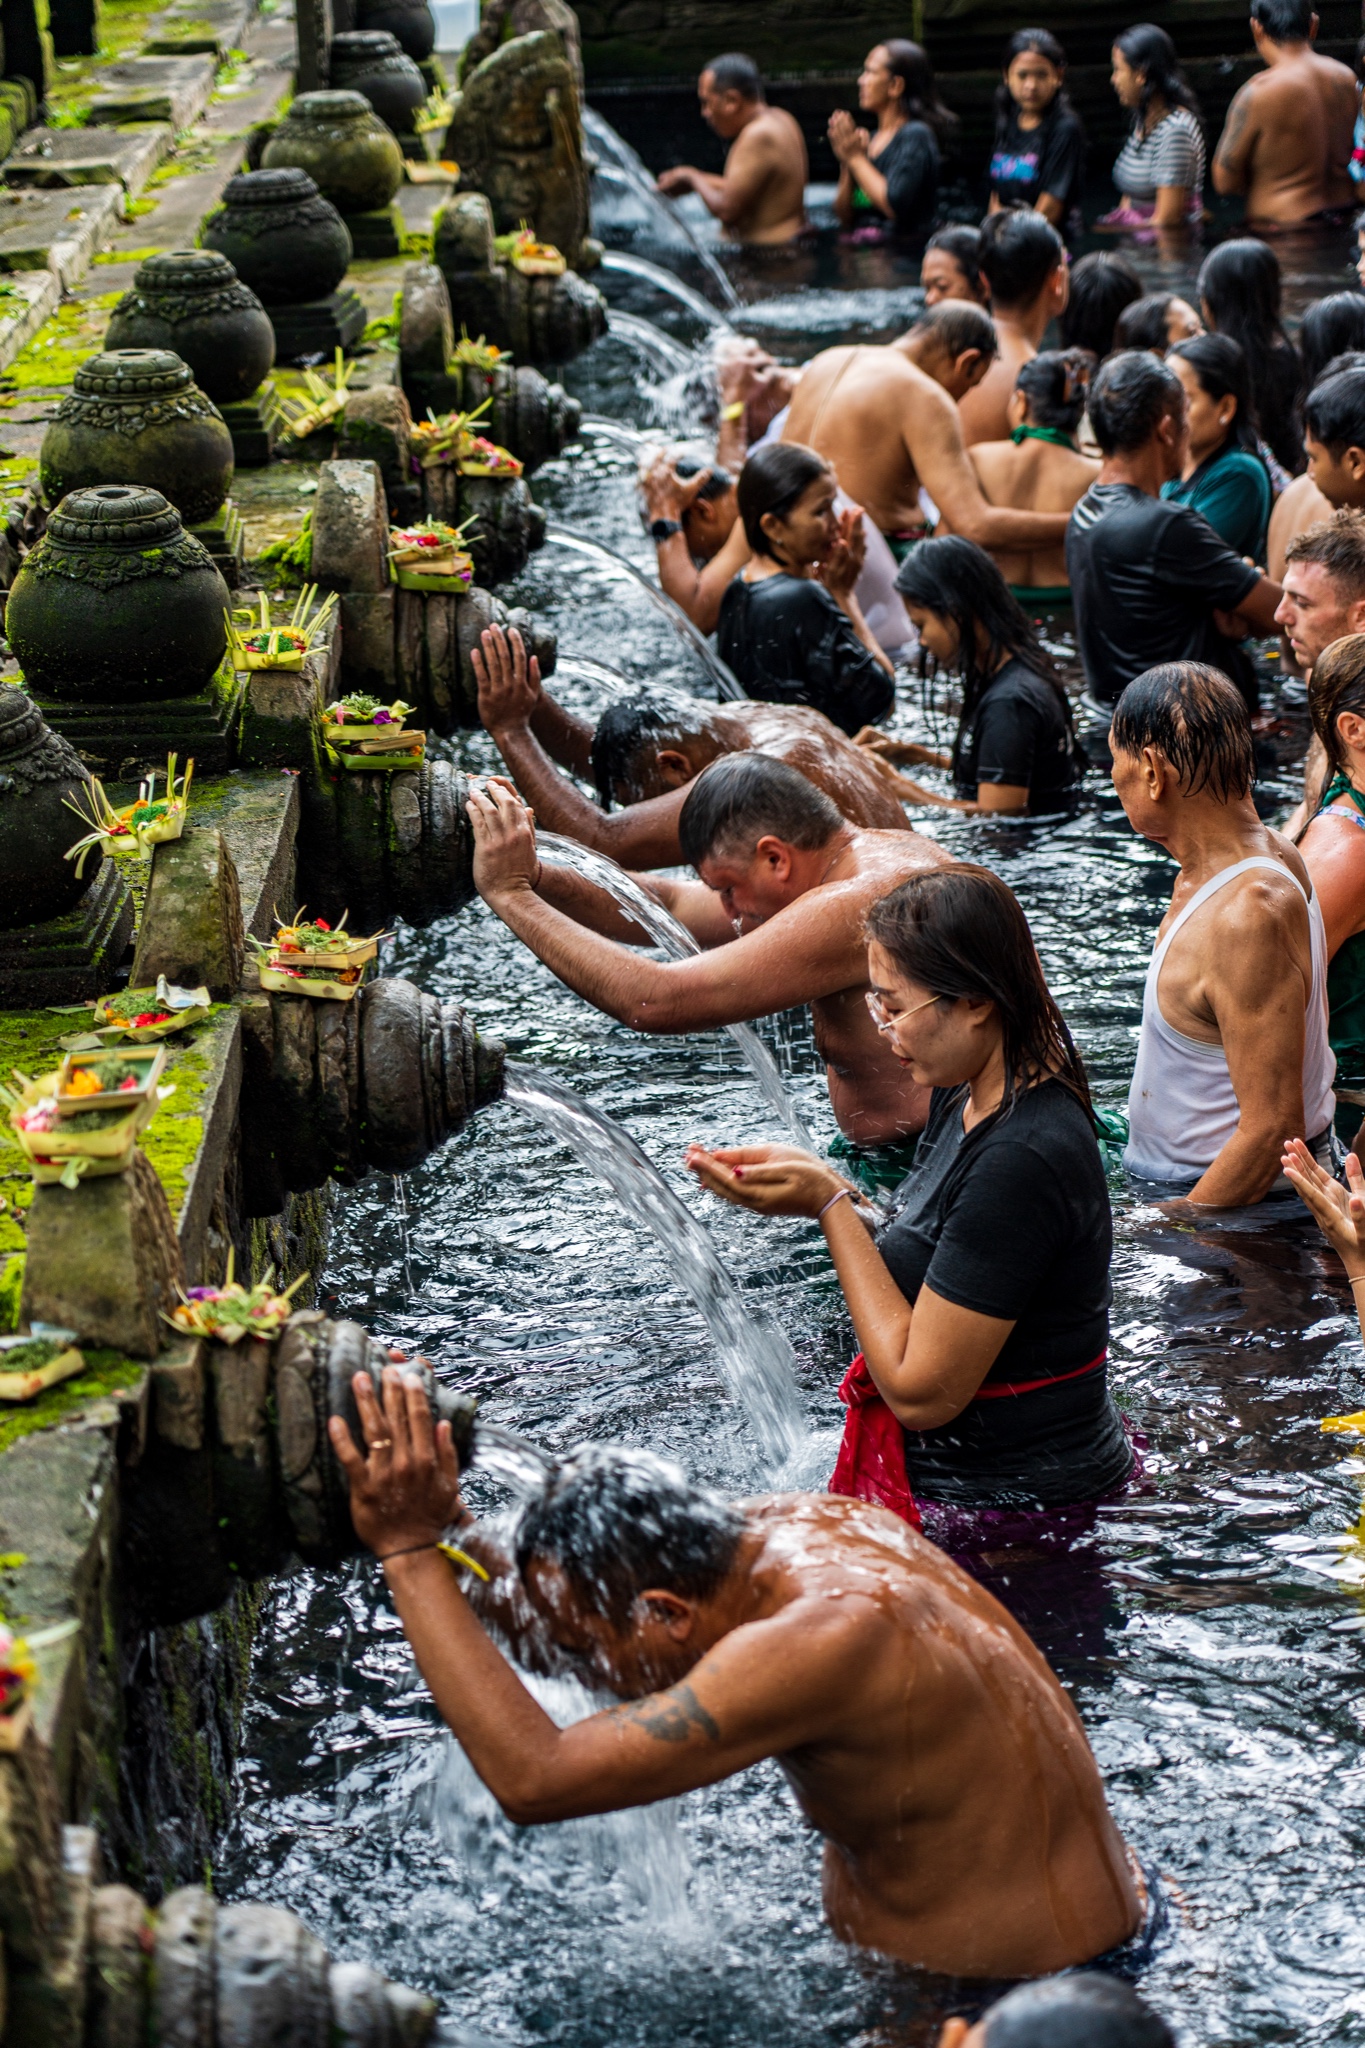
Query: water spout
[724, 678]
[595, 427]
[757, 1361]
[625, 265]
[667, 356]
[582, 668]
[675, 940]
[626, 167]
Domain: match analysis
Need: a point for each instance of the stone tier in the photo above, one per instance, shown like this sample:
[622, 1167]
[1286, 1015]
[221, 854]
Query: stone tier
[225, 538]
[318, 327]
[376, 236]
[120, 742]
[69, 959]
[251, 423]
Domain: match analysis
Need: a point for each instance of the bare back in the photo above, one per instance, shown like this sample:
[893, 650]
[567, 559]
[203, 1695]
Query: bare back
[809, 742]
[767, 163]
[1288, 136]
[1299, 506]
[964, 1817]
[856, 407]
[1036, 476]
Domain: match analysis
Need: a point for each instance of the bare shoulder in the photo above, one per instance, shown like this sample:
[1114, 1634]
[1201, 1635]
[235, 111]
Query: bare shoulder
[888, 858]
[1264, 908]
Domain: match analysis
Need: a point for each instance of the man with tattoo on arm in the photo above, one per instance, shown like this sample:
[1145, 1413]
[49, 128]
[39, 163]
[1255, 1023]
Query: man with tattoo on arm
[922, 1734]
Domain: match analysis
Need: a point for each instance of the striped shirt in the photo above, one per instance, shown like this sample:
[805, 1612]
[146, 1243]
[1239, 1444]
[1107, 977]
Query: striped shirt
[1173, 154]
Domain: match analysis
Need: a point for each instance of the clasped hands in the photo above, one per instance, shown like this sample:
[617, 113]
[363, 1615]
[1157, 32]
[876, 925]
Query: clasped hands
[846, 138]
[772, 1180]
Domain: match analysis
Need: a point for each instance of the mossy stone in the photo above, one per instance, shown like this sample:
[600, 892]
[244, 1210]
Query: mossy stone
[136, 416]
[339, 140]
[280, 235]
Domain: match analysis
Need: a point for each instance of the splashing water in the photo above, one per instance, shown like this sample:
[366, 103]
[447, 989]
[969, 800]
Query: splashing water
[756, 1360]
[617, 431]
[627, 167]
[583, 668]
[673, 287]
[675, 940]
[660, 350]
[727, 684]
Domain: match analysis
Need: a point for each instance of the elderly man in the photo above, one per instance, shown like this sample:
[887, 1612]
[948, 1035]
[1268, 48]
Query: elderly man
[1286, 142]
[761, 194]
[1233, 1057]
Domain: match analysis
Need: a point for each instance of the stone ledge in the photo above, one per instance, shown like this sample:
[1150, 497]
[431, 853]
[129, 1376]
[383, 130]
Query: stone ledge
[40, 291]
[57, 231]
[174, 89]
[52, 159]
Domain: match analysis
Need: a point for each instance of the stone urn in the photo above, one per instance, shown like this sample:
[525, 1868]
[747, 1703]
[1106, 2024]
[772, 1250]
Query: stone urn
[339, 140]
[280, 236]
[39, 771]
[371, 62]
[410, 22]
[136, 416]
[192, 301]
[117, 602]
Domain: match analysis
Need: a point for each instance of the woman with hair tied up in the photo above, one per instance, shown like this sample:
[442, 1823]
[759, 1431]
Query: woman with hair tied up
[1040, 468]
[980, 1403]
[888, 181]
[1160, 169]
[1225, 477]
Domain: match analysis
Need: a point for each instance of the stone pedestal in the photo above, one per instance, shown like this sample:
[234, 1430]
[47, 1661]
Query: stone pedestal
[104, 1260]
[192, 920]
[377, 236]
[251, 423]
[318, 327]
[225, 538]
[71, 958]
[121, 742]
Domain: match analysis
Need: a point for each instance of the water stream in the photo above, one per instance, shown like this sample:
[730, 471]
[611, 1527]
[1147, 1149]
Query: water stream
[660, 350]
[620, 264]
[720, 673]
[623, 164]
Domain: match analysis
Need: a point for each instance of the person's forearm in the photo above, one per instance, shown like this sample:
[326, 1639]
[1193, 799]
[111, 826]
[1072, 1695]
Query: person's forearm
[882, 1321]
[566, 739]
[1242, 1173]
[697, 591]
[1172, 207]
[998, 528]
[558, 805]
[711, 190]
[587, 905]
[862, 168]
[641, 993]
[1258, 608]
[843, 197]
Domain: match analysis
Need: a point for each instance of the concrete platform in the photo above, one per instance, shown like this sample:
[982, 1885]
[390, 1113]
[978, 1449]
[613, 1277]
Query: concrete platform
[57, 231]
[54, 158]
[174, 89]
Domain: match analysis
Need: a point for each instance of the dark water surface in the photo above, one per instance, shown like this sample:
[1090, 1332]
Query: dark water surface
[1209, 1633]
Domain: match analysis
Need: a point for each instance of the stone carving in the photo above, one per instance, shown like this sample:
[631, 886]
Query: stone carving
[136, 416]
[382, 846]
[535, 419]
[538, 319]
[192, 301]
[372, 62]
[339, 140]
[517, 135]
[434, 640]
[502, 19]
[39, 772]
[280, 235]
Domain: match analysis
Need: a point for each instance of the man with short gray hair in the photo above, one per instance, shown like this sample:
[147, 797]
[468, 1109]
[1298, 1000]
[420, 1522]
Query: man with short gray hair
[761, 194]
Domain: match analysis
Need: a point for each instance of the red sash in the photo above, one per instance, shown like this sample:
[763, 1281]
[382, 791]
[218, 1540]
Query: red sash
[871, 1461]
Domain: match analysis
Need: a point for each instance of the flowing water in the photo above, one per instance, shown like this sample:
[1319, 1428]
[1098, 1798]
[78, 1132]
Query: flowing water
[1210, 1632]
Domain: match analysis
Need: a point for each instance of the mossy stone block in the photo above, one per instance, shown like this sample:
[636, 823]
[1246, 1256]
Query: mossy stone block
[192, 922]
[117, 2017]
[104, 1260]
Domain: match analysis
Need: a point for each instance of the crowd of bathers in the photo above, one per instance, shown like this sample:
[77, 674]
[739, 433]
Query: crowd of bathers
[1186, 482]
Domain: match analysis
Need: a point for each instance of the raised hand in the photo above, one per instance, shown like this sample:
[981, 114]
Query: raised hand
[679, 179]
[405, 1483]
[505, 857]
[773, 1180]
[1339, 1211]
[846, 138]
[509, 684]
[666, 494]
[843, 564]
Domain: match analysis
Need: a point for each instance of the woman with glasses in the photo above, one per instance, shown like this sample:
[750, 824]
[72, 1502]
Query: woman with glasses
[982, 1305]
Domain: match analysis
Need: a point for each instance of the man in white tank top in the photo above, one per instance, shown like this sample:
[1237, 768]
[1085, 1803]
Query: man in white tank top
[1233, 1058]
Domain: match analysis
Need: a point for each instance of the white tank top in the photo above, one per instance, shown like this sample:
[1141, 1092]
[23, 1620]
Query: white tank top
[1181, 1105]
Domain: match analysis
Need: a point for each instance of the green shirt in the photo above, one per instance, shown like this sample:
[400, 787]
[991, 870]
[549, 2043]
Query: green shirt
[1232, 491]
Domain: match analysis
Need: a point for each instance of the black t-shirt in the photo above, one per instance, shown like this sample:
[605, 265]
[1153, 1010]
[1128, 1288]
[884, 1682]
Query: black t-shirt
[1012, 1220]
[909, 163]
[1050, 158]
[788, 643]
[1018, 734]
[1146, 575]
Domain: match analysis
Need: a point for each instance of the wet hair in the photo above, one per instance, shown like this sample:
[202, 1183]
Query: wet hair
[773, 479]
[1200, 722]
[1143, 323]
[1025, 42]
[959, 325]
[963, 244]
[1220, 364]
[1284, 21]
[1019, 252]
[1239, 284]
[959, 931]
[1334, 411]
[627, 728]
[1337, 684]
[911, 63]
[734, 72]
[717, 481]
[955, 579]
[1056, 384]
[1131, 394]
[618, 1522]
[1330, 327]
[1079, 2010]
[1337, 545]
[1102, 284]
[742, 798]
[1150, 51]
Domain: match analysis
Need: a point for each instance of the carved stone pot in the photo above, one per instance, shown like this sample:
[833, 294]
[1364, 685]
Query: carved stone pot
[192, 301]
[280, 235]
[136, 416]
[411, 24]
[339, 140]
[371, 62]
[38, 773]
[117, 602]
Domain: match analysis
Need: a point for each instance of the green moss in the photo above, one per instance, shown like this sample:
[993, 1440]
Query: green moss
[126, 255]
[106, 1373]
[11, 1287]
[52, 358]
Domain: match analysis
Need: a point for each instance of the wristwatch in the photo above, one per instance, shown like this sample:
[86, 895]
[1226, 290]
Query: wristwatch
[664, 529]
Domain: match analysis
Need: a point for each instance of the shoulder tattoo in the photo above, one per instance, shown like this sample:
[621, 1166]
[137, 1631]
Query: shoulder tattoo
[673, 1716]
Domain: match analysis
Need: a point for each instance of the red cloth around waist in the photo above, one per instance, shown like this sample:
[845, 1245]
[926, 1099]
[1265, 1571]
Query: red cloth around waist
[1056, 1379]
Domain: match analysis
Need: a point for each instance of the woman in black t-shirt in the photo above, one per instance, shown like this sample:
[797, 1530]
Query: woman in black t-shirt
[1039, 155]
[982, 1308]
[788, 637]
[1015, 750]
[888, 181]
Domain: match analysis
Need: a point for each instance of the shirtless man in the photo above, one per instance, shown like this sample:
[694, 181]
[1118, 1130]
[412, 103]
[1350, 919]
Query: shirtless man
[1023, 259]
[761, 195]
[646, 751]
[1286, 142]
[1233, 1057]
[1334, 441]
[887, 419]
[965, 1824]
[778, 866]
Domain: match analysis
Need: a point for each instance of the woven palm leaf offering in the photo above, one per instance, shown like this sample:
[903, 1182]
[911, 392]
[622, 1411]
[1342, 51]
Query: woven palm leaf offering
[30, 1364]
[479, 354]
[231, 1312]
[67, 1141]
[254, 642]
[313, 958]
[526, 254]
[106, 1080]
[429, 556]
[325, 402]
[451, 442]
[363, 734]
[134, 829]
[141, 1015]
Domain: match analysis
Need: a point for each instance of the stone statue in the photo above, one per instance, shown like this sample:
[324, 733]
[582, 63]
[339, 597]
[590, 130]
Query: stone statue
[503, 19]
[517, 135]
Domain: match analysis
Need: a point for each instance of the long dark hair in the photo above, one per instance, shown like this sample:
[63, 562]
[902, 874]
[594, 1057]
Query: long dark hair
[911, 63]
[1039, 42]
[1221, 366]
[955, 579]
[1102, 284]
[1239, 285]
[1056, 383]
[772, 480]
[959, 931]
[1330, 327]
[1149, 50]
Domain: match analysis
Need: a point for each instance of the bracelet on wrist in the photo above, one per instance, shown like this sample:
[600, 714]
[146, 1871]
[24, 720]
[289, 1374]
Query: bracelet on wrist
[1355, 1282]
[412, 1550]
[844, 1195]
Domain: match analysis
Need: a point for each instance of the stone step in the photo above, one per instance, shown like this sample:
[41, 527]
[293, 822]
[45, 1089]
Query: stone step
[120, 742]
[57, 231]
[201, 28]
[59, 157]
[174, 89]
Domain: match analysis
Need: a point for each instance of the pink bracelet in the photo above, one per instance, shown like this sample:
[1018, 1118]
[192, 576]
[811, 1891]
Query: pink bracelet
[844, 1195]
